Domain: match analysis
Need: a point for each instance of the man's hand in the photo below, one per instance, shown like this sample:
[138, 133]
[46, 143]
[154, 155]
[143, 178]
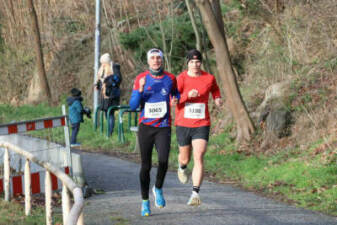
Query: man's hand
[193, 93]
[174, 101]
[141, 84]
[218, 102]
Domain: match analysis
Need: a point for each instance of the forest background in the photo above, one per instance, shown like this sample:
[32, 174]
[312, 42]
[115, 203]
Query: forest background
[283, 55]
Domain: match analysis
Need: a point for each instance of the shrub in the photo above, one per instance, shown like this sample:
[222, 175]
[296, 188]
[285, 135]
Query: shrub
[182, 39]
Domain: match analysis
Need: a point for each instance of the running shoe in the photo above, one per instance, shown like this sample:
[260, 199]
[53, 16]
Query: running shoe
[183, 175]
[158, 197]
[194, 199]
[146, 208]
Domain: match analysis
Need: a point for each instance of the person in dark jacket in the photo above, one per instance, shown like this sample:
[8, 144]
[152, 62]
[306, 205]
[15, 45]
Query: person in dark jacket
[75, 114]
[108, 83]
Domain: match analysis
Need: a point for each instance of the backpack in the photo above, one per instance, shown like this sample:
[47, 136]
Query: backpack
[113, 82]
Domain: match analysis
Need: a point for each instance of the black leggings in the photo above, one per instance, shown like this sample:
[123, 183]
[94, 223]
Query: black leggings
[148, 137]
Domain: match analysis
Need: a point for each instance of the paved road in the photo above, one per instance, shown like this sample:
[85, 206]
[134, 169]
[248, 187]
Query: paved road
[221, 204]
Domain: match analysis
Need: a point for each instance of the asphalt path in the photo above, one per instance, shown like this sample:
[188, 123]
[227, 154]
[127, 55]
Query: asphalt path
[120, 202]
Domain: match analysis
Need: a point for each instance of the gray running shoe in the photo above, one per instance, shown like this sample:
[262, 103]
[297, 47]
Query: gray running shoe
[183, 175]
[194, 199]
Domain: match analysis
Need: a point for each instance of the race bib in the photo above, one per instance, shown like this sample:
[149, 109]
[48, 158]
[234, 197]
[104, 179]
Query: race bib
[155, 110]
[194, 110]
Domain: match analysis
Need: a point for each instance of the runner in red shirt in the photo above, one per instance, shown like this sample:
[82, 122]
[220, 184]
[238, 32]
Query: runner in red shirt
[193, 121]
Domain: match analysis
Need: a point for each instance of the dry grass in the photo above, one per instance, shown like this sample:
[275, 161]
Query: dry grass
[307, 57]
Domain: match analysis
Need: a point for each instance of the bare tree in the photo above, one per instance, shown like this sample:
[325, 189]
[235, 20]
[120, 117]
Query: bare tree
[164, 8]
[200, 43]
[194, 25]
[216, 7]
[38, 50]
[244, 124]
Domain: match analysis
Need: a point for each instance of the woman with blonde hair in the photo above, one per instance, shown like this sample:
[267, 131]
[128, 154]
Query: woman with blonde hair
[109, 79]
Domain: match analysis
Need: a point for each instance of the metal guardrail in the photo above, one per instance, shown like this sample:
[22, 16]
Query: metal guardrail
[101, 115]
[121, 136]
[122, 109]
[73, 216]
[108, 115]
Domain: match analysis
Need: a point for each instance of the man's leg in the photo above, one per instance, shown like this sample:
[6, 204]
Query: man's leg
[199, 149]
[183, 160]
[163, 145]
[75, 128]
[146, 142]
[184, 142]
[184, 155]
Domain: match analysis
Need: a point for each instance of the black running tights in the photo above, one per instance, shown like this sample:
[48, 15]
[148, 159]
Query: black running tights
[148, 137]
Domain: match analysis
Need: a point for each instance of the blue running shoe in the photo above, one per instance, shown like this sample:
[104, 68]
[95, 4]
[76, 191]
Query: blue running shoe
[146, 208]
[159, 197]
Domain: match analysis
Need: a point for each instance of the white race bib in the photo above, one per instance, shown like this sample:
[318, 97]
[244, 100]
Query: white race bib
[155, 110]
[194, 110]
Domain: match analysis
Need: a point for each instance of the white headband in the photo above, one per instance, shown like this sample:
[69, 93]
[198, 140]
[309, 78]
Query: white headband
[154, 52]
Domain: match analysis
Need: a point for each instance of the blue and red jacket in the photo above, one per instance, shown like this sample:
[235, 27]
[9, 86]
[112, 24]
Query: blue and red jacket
[157, 89]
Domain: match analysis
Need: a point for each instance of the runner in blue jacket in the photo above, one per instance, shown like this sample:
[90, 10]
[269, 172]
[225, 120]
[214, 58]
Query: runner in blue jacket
[153, 91]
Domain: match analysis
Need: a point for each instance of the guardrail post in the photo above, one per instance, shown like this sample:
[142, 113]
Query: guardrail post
[129, 120]
[67, 140]
[136, 118]
[48, 200]
[120, 126]
[96, 117]
[6, 175]
[28, 197]
[65, 203]
[77, 208]
[102, 121]
[80, 220]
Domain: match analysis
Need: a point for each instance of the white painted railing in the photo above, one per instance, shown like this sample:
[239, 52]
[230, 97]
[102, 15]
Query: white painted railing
[73, 216]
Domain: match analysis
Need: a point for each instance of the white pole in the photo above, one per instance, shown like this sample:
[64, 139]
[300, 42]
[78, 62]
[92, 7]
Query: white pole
[6, 175]
[97, 50]
[68, 161]
[28, 197]
[65, 203]
[48, 195]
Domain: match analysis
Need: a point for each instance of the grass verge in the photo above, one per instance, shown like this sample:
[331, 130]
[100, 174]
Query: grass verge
[295, 176]
[14, 213]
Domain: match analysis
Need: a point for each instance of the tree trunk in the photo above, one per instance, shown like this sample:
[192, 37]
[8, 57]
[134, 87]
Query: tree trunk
[194, 25]
[244, 124]
[216, 8]
[43, 82]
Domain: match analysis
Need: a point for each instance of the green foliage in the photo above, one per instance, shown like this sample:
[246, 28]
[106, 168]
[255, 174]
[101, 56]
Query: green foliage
[331, 64]
[142, 39]
[252, 7]
[67, 25]
[232, 26]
